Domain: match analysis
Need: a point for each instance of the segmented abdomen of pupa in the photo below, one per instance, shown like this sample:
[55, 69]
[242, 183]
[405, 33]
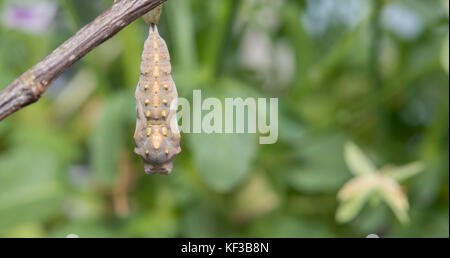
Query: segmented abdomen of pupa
[157, 137]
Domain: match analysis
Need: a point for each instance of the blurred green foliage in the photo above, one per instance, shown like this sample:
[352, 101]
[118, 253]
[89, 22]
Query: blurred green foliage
[373, 72]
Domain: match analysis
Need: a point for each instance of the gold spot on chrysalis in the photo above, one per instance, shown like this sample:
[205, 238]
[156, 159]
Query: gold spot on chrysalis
[163, 114]
[149, 131]
[165, 101]
[156, 141]
[167, 151]
[166, 87]
[148, 114]
[147, 102]
[147, 152]
[146, 87]
[164, 131]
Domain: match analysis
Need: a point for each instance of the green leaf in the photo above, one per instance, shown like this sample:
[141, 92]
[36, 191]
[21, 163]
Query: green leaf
[322, 168]
[30, 187]
[43, 138]
[131, 58]
[316, 179]
[108, 137]
[182, 30]
[285, 225]
[254, 199]
[223, 160]
[157, 223]
[304, 50]
[291, 131]
[200, 221]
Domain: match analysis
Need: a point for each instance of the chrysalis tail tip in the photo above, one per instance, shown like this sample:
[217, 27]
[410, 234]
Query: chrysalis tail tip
[165, 169]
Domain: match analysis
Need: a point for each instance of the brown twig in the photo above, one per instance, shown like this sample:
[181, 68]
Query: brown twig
[30, 86]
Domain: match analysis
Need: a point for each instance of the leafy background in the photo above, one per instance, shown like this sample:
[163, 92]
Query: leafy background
[371, 72]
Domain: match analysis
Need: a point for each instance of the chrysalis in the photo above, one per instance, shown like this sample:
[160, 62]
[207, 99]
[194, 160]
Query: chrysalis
[157, 137]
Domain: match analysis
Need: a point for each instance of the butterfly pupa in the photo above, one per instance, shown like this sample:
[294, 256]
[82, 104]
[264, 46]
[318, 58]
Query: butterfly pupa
[157, 136]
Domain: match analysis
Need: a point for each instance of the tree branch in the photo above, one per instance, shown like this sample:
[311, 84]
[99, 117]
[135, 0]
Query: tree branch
[31, 85]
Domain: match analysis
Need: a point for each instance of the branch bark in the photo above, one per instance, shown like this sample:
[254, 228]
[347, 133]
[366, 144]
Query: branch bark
[31, 85]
